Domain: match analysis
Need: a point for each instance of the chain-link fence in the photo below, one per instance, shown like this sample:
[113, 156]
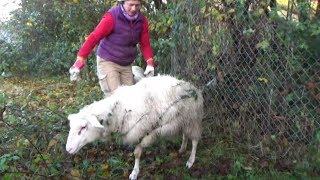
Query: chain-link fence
[265, 94]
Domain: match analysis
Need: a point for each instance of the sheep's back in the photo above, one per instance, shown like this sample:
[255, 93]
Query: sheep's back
[159, 93]
[160, 100]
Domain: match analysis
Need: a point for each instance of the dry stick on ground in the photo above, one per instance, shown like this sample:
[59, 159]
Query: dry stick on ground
[1, 113]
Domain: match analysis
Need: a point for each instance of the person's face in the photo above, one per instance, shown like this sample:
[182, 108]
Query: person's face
[132, 6]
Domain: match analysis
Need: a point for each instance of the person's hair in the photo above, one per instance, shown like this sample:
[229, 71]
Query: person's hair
[122, 1]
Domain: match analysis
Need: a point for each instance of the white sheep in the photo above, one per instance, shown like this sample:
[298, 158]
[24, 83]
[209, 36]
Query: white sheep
[155, 107]
[137, 72]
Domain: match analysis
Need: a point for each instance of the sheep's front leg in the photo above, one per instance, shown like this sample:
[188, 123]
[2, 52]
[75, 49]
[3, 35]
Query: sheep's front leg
[146, 141]
[184, 144]
[137, 155]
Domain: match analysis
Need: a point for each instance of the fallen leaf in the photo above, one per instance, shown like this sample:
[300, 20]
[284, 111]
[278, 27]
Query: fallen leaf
[52, 142]
[75, 173]
[264, 164]
[105, 170]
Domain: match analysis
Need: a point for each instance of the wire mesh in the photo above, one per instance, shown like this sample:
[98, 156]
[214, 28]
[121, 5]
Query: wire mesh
[266, 93]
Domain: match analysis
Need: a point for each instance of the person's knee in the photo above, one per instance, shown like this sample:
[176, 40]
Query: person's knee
[104, 85]
[127, 78]
[113, 81]
[128, 82]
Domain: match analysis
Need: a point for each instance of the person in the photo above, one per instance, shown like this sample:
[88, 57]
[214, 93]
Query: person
[119, 32]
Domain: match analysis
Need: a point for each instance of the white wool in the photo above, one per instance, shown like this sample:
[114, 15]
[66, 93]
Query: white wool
[154, 107]
[137, 72]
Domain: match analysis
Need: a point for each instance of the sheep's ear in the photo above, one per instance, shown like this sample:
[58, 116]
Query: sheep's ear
[94, 121]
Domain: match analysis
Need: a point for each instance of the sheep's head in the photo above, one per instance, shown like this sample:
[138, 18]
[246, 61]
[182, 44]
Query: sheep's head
[84, 128]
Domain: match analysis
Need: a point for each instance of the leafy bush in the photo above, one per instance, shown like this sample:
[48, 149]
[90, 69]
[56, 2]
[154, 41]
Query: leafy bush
[264, 57]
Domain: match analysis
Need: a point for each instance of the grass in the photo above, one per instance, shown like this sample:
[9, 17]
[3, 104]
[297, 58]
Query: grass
[34, 133]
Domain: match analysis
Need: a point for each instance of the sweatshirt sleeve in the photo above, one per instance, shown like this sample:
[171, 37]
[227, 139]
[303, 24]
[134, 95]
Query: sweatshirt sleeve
[145, 41]
[103, 29]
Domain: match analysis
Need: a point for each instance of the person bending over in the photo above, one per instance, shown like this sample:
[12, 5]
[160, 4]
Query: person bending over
[118, 33]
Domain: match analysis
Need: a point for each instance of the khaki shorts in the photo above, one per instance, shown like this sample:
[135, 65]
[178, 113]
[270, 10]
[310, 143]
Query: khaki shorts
[112, 75]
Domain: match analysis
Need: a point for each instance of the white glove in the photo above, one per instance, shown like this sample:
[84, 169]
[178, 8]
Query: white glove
[75, 70]
[74, 74]
[149, 71]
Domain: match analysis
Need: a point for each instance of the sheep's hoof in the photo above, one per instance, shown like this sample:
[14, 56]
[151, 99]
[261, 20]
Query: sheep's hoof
[133, 176]
[189, 164]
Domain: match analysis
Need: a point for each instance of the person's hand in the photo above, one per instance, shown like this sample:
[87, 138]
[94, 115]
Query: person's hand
[149, 71]
[75, 70]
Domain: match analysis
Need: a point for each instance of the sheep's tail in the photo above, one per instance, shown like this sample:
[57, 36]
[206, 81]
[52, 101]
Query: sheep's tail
[210, 85]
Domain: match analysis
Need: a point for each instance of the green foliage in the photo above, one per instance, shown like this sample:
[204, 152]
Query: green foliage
[34, 131]
[3, 100]
[46, 35]
[263, 110]
[5, 161]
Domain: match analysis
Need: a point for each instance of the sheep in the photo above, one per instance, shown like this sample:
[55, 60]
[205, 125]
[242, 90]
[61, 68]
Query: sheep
[137, 73]
[160, 106]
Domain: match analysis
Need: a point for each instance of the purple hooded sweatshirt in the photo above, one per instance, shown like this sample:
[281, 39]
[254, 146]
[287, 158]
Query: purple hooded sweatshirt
[120, 46]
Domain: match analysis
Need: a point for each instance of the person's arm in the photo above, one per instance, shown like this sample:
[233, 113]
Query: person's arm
[103, 29]
[145, 44]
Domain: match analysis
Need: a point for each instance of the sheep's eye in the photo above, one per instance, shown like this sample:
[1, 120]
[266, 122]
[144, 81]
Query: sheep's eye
[82, 128]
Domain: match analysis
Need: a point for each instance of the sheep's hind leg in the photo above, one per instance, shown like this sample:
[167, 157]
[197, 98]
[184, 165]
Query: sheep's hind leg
[193, 153]
[184, 144]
